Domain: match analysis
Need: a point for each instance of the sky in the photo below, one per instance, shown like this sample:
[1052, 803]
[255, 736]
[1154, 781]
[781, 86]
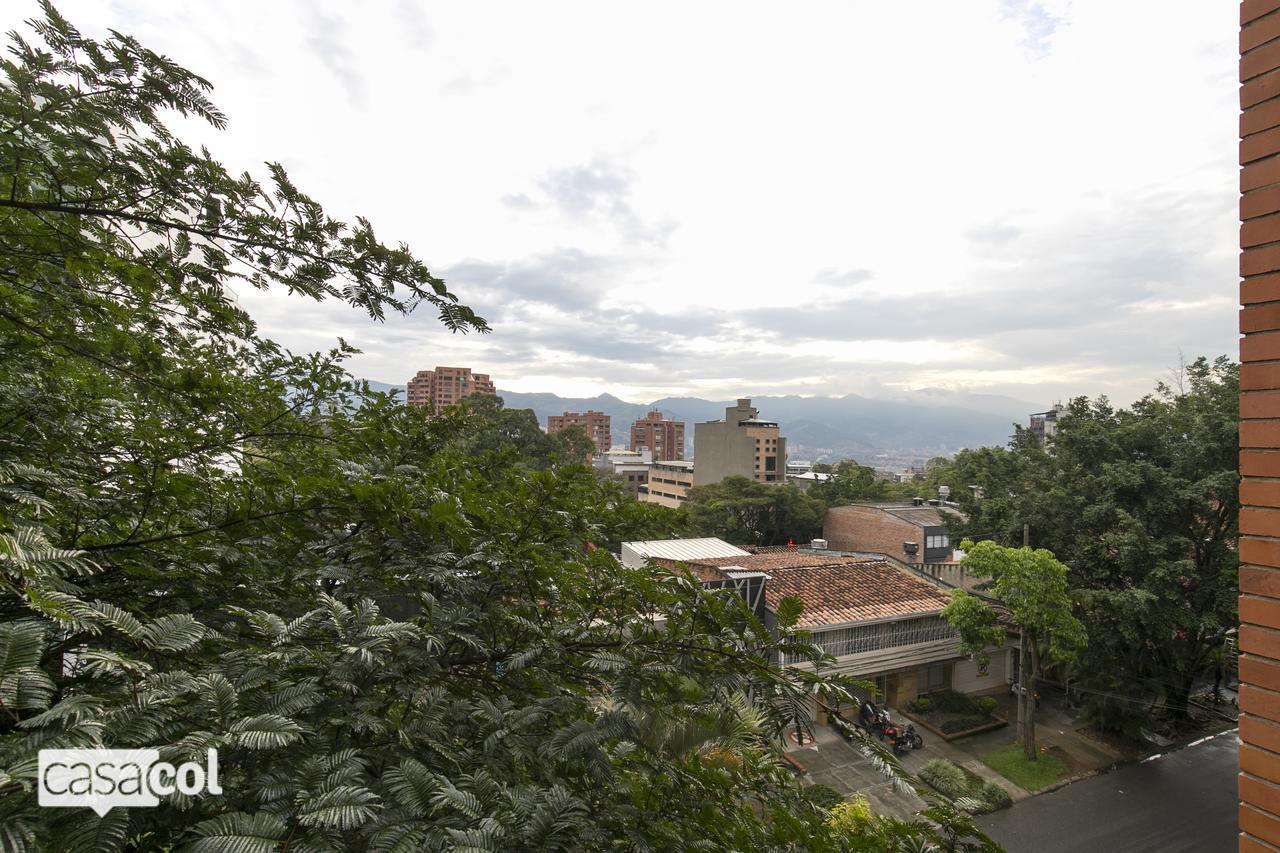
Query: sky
[1035, 199]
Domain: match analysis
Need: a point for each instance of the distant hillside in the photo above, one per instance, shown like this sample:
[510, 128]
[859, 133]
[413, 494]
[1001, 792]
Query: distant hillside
[888, 432]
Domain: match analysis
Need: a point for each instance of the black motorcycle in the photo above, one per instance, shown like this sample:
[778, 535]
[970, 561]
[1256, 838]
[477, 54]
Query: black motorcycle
[907, 738]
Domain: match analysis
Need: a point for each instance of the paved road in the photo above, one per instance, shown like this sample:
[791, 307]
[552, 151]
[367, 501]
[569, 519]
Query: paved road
[1185, 800]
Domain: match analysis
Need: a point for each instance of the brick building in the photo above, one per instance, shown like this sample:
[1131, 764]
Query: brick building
[1260, 425]
[664, 439]
[741, 445]
[596, 425]
[446, 386]
[887, 528]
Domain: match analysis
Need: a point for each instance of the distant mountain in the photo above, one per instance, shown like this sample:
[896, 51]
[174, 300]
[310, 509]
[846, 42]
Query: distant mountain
[886, 432]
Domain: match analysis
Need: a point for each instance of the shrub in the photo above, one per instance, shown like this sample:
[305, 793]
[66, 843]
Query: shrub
[824, 796]
[995, 797]
[946, 777]
[923, 704]
[960, 724]
[852, 817]
[986, 704]
[952, 702]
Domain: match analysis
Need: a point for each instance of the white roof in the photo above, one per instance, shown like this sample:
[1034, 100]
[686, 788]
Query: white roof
[685, 549]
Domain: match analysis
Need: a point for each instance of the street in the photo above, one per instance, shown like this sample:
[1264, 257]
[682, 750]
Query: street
[1184, 800]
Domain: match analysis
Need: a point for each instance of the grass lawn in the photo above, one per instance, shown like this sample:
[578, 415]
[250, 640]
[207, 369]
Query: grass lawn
[1031, 775]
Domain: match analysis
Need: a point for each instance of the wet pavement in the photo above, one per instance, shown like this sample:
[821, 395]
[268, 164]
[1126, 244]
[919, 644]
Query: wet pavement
[1178, 801]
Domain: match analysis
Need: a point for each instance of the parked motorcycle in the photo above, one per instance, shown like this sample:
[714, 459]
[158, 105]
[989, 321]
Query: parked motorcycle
[906, 739]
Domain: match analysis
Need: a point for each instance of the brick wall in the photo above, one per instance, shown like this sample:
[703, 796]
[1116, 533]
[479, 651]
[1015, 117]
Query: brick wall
[864, 528]
[1260, 425]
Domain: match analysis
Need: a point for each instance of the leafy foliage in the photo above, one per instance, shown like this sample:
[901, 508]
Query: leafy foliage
[1142, 505]
[746, 512]
[399, 632]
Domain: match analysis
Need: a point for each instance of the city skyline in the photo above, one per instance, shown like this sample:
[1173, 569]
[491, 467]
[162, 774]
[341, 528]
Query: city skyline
[1029, 203]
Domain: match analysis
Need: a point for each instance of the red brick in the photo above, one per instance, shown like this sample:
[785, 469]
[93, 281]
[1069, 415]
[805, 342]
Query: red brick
[1262, 117]
[1260, 824]
[1258, 762]
[1260, 434]
[1260, 145]
[1260, 522]
[1252, 9]
[1261, 202]
[1262, 672]
[1260, 61]
[1255, 261]
[1260, 376]
[1260, 732]
[1264, 87]
[1260, 463]
[1260, 703]
[1249, 844]
[1259, 581]
[1260, 347]
[1260, 173]
[1260, 493]
[1259, 641]
[1259, 232]
[1259, 404]
[1260, 318]
[1259, 32]
[1260, 552]
[1261, 288]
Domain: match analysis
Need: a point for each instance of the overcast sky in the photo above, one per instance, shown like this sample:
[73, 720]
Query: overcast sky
[1018, 197]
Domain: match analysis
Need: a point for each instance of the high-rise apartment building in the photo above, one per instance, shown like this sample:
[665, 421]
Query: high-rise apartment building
[662, 438]
[446, 386]
[741, 445]
[596, 424]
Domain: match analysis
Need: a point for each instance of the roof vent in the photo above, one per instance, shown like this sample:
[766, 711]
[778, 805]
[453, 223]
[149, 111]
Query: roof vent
[818, 545]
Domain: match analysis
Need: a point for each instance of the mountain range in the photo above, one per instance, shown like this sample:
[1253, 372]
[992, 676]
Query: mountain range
[885, 432]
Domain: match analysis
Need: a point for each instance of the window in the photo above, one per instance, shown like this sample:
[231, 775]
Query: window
[882, 635]
[932, 542]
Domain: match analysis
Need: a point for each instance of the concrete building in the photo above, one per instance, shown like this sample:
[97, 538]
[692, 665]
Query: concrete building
[669, 483]
[1045, 424]
[892, 529]
[742, 445]
[663, 438]
[629, 466]
[595, 424]
[446, 386]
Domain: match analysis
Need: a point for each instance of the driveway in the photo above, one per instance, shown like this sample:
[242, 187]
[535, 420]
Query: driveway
[1180, 801]
[833, 762]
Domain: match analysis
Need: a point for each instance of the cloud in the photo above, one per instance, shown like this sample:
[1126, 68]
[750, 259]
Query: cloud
[326, 40]
[564, 279]
[1038, 24]
[841, 278]
[600, 190]
[412, 23]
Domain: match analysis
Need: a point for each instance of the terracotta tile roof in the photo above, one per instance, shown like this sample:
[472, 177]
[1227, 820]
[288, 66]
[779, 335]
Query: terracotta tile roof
[838, 590]
[768, 560]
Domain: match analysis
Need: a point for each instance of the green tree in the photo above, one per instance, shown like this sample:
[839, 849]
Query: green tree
[395, 629]
[1142, 503]
[849, 483]
[746, 512]
[1032, 586]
